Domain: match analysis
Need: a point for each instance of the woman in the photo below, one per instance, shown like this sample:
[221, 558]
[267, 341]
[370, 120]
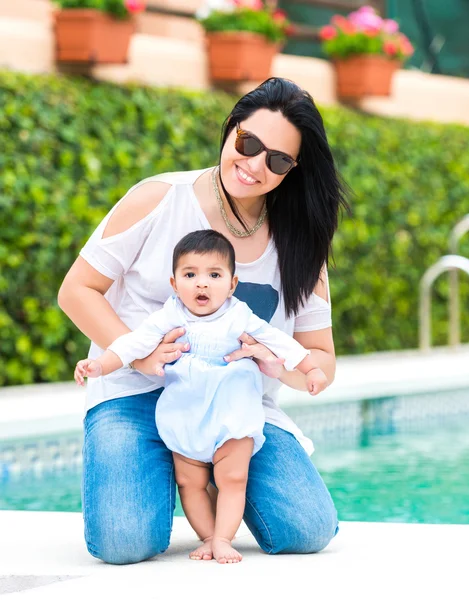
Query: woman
[276, 196]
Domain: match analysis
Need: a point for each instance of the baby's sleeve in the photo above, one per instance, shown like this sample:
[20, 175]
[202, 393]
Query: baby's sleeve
[279, 342]
[142, 341]
[113, 256]
[316, 312]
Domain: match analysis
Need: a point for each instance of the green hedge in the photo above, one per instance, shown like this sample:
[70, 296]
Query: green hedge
[71, 148]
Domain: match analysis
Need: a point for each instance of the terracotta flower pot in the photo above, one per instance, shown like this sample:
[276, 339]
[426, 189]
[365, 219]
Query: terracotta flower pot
[239, 56]
[89, 35]
[364, 75]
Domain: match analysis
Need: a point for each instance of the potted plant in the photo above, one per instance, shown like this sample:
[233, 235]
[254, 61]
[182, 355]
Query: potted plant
[366, 51]
[94, 31]
[243, 37]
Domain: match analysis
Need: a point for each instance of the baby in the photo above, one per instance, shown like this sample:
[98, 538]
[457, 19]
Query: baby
[210, 411]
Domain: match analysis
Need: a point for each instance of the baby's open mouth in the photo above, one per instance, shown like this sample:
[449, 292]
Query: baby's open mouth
[202, 299]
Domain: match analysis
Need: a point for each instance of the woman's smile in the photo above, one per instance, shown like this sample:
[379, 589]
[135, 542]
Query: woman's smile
[244, 177]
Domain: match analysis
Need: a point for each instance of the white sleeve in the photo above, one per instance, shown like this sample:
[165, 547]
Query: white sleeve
[316, 313]
[112, 256]
[142, 341]
[279, 342]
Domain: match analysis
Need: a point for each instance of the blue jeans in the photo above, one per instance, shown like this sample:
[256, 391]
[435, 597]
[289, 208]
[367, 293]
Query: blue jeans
[129, 490]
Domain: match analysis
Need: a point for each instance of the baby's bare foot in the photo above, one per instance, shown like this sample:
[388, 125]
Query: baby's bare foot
[224, 552]
[203, 552]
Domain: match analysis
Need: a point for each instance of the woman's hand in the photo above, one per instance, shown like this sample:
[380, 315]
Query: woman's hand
[268, 363]
[166, 352]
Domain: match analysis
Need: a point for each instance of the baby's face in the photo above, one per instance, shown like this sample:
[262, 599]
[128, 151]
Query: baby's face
[203, 282]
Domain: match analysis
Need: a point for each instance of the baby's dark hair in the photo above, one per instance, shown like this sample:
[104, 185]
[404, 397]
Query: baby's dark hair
[205, 241]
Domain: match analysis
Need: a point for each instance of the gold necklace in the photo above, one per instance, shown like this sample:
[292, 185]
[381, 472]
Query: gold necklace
[232, 228]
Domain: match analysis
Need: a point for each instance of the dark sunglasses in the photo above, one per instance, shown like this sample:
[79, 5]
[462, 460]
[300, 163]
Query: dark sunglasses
[248, 144]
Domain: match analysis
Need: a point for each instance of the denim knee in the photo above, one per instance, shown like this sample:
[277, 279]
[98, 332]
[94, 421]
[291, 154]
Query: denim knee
[136, 549]
[289, 508]
[299, 538]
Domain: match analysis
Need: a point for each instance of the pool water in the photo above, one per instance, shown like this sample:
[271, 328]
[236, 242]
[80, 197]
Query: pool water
[413, 477]
[420, 475]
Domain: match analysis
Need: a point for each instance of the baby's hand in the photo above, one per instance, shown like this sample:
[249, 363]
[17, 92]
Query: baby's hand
[87, 368]
[316, 381]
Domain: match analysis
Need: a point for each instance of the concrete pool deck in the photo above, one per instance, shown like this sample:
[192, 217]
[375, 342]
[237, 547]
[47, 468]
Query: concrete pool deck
[43, 554]
[365, 561]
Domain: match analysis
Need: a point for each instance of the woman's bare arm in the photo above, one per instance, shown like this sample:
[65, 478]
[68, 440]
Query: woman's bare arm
[322, 354]
[81, 295]
[321, 346]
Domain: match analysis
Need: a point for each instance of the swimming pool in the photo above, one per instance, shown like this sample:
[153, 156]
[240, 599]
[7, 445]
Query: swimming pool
[397, 459]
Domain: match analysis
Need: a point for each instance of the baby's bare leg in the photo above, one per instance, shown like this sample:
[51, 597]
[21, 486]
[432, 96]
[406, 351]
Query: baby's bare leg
[231, 474]
[192, 478]
[213, 493]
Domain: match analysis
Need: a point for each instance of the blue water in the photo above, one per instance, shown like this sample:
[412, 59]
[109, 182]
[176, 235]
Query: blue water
[418, 476]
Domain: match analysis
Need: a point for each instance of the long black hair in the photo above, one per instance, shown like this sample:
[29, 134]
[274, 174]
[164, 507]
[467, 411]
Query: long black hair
[303, 209]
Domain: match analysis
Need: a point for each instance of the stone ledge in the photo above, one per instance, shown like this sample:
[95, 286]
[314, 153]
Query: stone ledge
[168, 26]
[421, 96]
[161, 62]
[31, 10]
[26, 45]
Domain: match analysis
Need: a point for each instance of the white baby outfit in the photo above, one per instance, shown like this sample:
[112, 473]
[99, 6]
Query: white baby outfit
[207, 401]
[139, 261]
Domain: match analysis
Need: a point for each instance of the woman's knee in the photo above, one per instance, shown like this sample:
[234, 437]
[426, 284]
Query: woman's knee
[125, 539]
[289, 508]
[300, 537]
[128, 490]
[123, 556]
[304, 528]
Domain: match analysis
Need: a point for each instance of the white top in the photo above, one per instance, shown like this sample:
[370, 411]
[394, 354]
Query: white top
[139, 260]
[232, 319]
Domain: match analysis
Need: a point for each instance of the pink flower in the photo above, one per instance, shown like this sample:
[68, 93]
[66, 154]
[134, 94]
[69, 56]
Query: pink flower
[366, 17]
[371, 31]
[327, 33]
[252, 4]
[390, 48]
[406, 47]
[390, 26]
[134, 6]
[279, 16]
[343, 24]
[366, 10]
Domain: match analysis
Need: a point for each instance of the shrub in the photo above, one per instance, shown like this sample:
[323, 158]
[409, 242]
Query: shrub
[120, 9]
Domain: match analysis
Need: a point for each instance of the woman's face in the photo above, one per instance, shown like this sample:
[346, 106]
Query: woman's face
[249, 176]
